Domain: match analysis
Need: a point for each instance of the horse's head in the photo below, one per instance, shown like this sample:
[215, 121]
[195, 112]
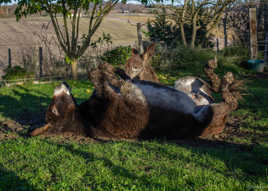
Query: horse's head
[137, 63]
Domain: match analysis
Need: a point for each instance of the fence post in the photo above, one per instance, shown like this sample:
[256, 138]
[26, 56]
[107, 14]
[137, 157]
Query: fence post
[265, 11]
[7, 12]
[253, 33]
[225, 29]
[217, 40]
[40, 61]
[140, 46]
[266, 49]
[9, 58]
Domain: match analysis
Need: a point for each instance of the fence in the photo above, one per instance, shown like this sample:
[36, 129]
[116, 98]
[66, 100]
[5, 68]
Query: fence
[46, 60]
[45, 64]
[246, 24]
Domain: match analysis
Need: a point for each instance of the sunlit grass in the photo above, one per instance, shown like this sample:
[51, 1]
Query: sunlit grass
[239, 163]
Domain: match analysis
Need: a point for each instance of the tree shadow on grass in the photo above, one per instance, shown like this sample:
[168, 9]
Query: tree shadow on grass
[29, 110]
[236, 158]
[250, 159]
[21, 105]
[10, 181]
[117, 171]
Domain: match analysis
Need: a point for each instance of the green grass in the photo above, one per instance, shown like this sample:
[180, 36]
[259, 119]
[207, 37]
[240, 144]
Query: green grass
[237, 162]
[41, 164]
[35, 98]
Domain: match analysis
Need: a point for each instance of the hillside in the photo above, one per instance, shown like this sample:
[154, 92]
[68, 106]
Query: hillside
[22, 37]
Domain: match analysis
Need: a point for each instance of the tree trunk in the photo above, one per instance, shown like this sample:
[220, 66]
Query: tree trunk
[74, 64]
[183, 35]
[194, 33]
[193, 37]
[182, 22]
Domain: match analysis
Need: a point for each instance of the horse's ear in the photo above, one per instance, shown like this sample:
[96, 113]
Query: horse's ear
[149, 52]
[134, 52]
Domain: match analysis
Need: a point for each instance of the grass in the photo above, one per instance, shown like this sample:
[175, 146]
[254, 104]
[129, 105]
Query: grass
[41, 164]
[35, 98]
[238, 161]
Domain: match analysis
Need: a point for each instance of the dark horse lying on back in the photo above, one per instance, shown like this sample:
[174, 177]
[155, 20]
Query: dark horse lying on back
[122, 108]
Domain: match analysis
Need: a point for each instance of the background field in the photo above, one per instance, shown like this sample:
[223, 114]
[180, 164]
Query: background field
[22, 36]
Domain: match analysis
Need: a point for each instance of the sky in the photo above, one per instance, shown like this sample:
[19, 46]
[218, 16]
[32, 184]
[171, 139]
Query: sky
[167, 2]
[129, 1]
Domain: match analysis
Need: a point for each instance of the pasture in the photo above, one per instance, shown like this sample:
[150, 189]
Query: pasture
[237, 159]
[25, 36]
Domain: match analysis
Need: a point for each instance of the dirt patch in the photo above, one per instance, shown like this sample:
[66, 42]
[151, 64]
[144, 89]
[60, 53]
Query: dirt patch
[11, 129]
[67, 138]
[27, 121]
[19, 127]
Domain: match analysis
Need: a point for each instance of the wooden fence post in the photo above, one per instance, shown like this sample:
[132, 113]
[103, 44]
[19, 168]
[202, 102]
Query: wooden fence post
[9, 58]
[7, 12]
[139, 34]
[140, 45]
[253, 33]
[40, 62]
[265, 9]
[266, 49]
[217, 40]
[225, 30]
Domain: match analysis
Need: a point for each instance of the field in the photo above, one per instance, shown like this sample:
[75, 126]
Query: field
[235, 160]
[23, 37]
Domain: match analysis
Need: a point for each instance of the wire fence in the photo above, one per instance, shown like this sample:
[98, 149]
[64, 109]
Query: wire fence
[43, 64]
[239, 24]
[46, 61]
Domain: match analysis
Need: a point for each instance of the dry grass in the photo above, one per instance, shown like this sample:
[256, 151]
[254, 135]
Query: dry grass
[21, 35]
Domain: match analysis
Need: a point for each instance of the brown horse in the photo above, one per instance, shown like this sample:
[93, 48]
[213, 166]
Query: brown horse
[131, 109]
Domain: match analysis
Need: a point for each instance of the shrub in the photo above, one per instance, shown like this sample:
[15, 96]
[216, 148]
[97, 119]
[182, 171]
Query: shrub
[181, 58]
[161, 29]
[165, 28]
[117, 56]
[236, 51]
[17, 72]
[239, 56]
